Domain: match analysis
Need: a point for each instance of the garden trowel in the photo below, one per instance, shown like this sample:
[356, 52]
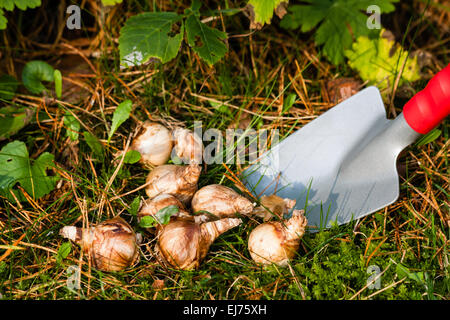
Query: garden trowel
[342, 165]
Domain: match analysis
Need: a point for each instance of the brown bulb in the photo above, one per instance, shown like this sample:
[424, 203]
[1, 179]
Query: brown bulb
[277, 242]
[187, 146]
[178, 181]
[220, 201]
[154, 143]
[111, 245]
[273, 205]
[183, 244]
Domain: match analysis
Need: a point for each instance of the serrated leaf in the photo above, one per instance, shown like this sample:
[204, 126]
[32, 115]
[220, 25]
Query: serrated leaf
[21, 4]
[121, 114]
[63, 251]
[10, 4]
[17, 167]
[333, 19]
[207, 42]
[12, 119]
[147, 35]
[379, 61]
[262, 11]
[72, 126]
[34, 73]
[8, 87]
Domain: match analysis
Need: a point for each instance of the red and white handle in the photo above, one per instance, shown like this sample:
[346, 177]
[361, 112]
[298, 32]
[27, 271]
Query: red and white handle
[431, 105]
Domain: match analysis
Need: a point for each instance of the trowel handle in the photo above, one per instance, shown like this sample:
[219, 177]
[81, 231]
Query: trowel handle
[431, 105]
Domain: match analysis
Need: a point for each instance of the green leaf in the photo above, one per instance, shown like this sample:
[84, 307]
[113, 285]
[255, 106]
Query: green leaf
[121, 114]
[148, 35]
[429, 137]
[17, 167]
[132, 156]
[8, 87]
[72, 126]
[147, 222]
[289, 101]
[34, 73]
[111, 2]
[63, 252]
[403, 272]
[263, 10]
[3, 266]
[220, 107]
[161, 217]
[58, 83]
[134, 206]
[21, 4]
[95, 144]
[207, 42]
[12, 119]
[10, 4]
[379, 61]
[3, 20]
[333, 19]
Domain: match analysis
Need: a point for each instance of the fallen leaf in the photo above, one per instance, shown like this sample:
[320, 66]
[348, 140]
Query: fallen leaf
[158, 284]
[342, 88]
[261, 11]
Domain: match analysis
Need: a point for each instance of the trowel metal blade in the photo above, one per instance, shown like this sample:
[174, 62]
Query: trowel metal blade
[340, 166]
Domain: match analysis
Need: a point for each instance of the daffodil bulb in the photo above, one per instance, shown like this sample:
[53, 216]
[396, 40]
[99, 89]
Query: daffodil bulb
[277, 242]
[184, 244]
[221, 202]
[154, 143]
[176, 180]
[111, 245]
[273, 205]
[187, 146]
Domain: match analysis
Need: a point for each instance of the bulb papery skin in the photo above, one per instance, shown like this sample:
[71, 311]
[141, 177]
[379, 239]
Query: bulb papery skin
[221, 201]
[188, 146]
[110, 246]
[277, 242]
[273, 205]
[176, 180]
[184, 244]
[154, 143]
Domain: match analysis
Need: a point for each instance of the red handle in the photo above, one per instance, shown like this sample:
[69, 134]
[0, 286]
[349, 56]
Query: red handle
[431, 105]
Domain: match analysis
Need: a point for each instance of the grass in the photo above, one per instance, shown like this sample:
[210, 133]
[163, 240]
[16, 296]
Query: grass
[257, 76]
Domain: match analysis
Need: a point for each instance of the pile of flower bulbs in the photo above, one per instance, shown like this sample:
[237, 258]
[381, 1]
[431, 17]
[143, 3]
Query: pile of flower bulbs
[203, 214]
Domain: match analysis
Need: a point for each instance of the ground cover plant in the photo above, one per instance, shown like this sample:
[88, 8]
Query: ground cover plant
[72, 97]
